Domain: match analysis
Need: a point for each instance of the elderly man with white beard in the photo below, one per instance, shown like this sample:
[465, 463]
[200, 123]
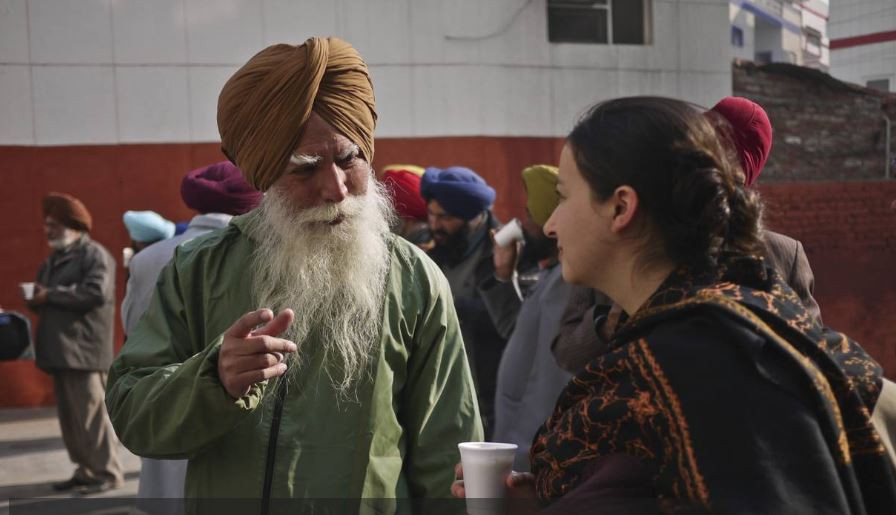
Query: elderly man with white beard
[303, 351]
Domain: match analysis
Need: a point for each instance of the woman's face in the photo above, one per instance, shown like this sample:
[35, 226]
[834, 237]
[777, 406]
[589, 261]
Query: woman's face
[581, 225]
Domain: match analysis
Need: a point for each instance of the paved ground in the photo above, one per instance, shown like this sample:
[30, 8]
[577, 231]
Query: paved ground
[32, 457]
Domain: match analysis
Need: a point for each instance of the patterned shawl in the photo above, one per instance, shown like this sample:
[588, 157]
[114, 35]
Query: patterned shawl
[638, 400]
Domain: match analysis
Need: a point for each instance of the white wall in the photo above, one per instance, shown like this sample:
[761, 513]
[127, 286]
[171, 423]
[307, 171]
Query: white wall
[746, 21]
[858, 64]
[122, 71]
[768, 38]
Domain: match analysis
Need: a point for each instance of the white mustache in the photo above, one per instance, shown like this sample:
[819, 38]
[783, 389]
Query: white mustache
[351, 207]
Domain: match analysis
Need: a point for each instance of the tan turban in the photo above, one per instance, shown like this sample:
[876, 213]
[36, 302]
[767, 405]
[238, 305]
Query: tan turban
[263, 108]
[68, 211]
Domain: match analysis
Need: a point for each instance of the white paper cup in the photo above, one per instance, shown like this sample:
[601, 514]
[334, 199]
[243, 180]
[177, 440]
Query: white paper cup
[27, 290]
[486, 467]
[126, 254]
[510, 233]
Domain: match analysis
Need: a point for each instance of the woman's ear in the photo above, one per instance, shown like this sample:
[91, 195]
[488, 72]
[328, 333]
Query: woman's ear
[625, 204]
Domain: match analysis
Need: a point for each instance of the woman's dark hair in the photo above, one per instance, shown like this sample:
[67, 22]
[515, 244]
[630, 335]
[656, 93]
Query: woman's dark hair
[685, 172]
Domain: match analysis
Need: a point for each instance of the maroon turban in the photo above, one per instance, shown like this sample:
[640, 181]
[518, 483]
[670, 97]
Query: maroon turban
[219, 188]
[751, 132]
[404, 188]
[68, 211]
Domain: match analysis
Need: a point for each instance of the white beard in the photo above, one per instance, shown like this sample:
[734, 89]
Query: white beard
[332, 276]
[68, 237]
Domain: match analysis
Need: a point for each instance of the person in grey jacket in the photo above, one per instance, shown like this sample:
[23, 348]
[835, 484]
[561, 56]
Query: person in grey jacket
[529, 380]
[74, 298]
[218, 192]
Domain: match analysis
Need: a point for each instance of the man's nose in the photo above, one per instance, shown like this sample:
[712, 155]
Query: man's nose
[333, 187]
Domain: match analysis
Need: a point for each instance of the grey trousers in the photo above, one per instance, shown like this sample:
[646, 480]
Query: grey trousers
[86, 429]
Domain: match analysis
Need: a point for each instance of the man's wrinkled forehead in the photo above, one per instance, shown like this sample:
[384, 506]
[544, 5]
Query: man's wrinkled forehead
[320, 140]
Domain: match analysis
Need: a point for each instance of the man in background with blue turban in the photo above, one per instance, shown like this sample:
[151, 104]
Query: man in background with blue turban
[146, 228]
[458, 204]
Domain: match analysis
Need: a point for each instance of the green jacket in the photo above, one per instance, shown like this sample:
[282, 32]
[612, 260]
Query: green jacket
[399, 440]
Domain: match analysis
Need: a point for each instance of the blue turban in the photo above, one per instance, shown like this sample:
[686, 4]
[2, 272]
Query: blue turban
[148, 226]
[459, 190]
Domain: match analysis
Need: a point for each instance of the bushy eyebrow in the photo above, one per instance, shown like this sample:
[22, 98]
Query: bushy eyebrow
[350, 151]
[302, 160]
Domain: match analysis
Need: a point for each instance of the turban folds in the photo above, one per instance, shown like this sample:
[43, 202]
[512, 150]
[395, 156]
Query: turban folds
[416, 170]
[751, 133]
[148, 226]
[263, 108]
[541, 192]
[219, 188]
[459, 190]
[404, 188]
[68, 211]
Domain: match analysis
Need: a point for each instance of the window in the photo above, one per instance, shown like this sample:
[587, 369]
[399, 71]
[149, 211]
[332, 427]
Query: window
[879, 84]
[737, 37]
[620, 22]
[813, 41]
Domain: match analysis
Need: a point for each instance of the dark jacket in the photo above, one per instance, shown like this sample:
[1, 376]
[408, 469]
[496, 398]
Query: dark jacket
[787, 257]
[76, 326]
[482, 340]
[578, 341]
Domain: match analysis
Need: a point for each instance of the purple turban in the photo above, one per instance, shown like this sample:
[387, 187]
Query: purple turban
[459, 190]
[219, 188]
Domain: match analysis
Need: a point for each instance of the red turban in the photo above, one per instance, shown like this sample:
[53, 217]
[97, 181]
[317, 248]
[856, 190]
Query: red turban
[751, 132]
[404, 188]
[68, 211]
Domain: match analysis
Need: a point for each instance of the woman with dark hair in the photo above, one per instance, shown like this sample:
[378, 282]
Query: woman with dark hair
[720, 392]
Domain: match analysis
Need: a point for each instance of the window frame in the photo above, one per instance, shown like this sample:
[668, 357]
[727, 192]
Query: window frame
[607, 7]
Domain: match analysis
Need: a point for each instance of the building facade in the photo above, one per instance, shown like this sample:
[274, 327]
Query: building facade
[131, 71]
[785, 31]
[863, 43]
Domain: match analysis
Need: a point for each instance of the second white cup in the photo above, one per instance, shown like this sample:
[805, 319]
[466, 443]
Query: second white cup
[510, 233]
[27, 290]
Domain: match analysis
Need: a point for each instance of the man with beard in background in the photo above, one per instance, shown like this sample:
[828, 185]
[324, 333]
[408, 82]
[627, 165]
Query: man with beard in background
[458, 203]
[304, 351]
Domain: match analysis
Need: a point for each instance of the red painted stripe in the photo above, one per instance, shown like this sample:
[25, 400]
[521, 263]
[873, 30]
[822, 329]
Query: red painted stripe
[865, 39]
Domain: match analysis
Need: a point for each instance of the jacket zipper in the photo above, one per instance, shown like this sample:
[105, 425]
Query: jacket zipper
[272, 448]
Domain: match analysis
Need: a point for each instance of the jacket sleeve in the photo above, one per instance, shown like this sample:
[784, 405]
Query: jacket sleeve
[139, 291]
[802, 280]
[438, 398]
[39, 279]
[163, 394]
[502, 303]
[577, 343]
[96, 286]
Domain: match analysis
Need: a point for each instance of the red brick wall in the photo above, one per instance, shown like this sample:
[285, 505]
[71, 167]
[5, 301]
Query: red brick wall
[824, 129]
[847, 228]
[849, 232]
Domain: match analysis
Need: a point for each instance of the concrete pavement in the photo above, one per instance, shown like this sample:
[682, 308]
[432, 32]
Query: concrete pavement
[32, 457]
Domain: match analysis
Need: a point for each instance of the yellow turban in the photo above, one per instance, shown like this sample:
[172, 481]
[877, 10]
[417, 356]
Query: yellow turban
[263, 108]
[414, 169]
[541, 192]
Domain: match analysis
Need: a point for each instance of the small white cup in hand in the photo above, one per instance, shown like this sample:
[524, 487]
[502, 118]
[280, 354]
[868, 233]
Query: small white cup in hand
[510, 233]
[126, 254]
[486, 467]
[27, 290]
